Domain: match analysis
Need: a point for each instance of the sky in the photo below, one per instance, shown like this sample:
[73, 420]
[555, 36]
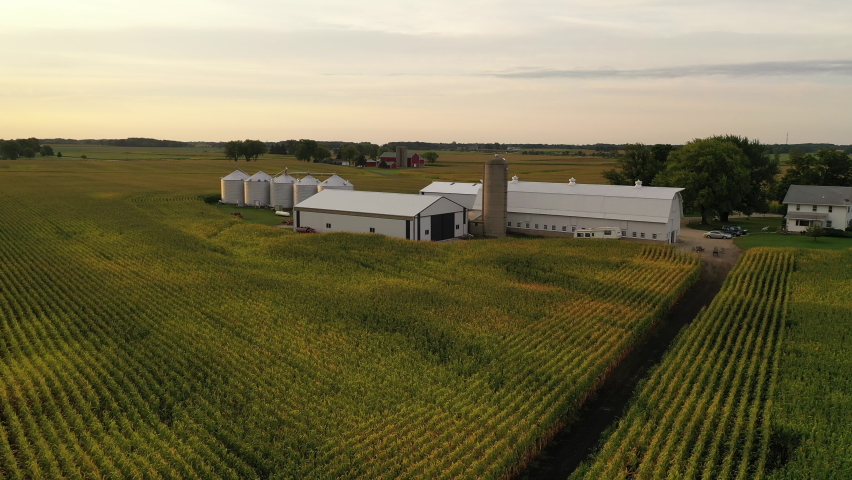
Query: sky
[538, 71]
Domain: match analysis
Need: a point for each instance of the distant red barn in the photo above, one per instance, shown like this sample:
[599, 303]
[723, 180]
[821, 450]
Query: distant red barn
[414, 159]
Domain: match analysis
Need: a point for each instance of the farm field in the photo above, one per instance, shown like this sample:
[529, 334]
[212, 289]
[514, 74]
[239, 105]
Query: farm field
[812, 409]
[145, 333]
[704, 411]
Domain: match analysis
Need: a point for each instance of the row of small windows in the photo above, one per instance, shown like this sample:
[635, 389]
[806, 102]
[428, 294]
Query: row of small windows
[573, 229]
[814, 208]
[807, 223]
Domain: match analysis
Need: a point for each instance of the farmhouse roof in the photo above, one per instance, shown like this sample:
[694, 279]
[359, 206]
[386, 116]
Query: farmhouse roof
[614, 202]
[260, 176]
[465, 188]
[818, 195]
[377, 203]
[236, 175]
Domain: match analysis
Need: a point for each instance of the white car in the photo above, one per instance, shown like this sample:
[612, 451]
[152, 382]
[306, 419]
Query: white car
[717, 234]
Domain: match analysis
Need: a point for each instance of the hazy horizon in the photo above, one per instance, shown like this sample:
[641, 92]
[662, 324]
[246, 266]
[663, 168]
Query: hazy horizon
[578, 72]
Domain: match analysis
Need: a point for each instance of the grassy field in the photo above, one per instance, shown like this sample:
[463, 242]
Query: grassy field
[753, 224]
[792, 241]
[145, 333]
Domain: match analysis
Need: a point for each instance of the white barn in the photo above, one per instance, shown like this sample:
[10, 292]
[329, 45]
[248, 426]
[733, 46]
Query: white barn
[414, 217]
[831, 207]
[560, 209]
[460, 192]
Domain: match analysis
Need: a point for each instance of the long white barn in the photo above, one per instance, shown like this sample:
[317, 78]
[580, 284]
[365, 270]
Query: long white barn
[460, 192]
[560, 209]
[414, 217]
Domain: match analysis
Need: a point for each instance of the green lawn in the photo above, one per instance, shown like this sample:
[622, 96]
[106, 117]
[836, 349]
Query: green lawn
[753, 224]
[795, 241]
[255, 215]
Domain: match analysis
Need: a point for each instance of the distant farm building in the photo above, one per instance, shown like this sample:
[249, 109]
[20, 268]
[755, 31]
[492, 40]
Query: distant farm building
[830, 207]
[398, 159]
[414, 217]
[462, 193]
[233, 187]
[561, 209]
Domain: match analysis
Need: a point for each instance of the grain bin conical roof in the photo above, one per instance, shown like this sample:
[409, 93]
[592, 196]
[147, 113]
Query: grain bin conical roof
[284, 178]
[236, 175]
[260, 176]
[308, 180]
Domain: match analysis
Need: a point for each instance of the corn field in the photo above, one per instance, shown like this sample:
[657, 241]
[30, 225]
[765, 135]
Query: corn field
[705, 411]
[145, 334]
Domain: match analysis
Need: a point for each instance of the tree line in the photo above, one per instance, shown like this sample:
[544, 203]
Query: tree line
[24, 147]
[728, 173]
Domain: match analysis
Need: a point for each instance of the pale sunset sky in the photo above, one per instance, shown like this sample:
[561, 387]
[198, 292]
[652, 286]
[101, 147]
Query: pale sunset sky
[537, 71]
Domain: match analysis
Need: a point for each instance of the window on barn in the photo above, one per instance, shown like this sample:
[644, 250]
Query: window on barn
[528, 225]
[519, 224]
[427, 232]
[545, 227]
[654, 236]
[509, 225]
[643, 234]
[372, 230]
[573, 229]
[634, 234]
[552, 227]
[536, 226]
[327, 225]
[607, 232]
[564, 228]
[457, 227]
[624, 233]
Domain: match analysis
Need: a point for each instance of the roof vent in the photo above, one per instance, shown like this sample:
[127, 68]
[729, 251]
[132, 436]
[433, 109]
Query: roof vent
[515, 179]
[572, 181]
[638, 184]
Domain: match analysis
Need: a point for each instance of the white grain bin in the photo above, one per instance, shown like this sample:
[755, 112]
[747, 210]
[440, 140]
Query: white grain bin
[233, 190]
[335, 183]
[257, 189]
[281, 191]
[305, 188]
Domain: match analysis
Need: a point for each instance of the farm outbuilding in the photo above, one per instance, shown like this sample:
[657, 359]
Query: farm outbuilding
[257, 189]
[561, 209]
[335, 183]
[233, 187]
[414, 217]
[305, 188]
[460, 192]
[281, 191]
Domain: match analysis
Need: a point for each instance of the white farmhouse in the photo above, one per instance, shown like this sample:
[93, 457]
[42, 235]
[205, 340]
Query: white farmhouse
[414, 217]
[831, 207]
[561, 209]
[460, 192]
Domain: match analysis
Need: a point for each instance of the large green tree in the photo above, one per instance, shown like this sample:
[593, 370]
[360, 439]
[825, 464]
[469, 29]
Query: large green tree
[234, 149]
[431, 157]
[713, 173]
[762, 168]
[321, 153]
[304, 149]
[638, 162]
[827, 167]
[349, 152]
[253, 149]
[10, 149]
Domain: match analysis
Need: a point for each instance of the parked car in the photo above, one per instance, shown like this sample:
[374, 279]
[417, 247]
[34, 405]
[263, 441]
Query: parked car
[718, 234]
[735, 230]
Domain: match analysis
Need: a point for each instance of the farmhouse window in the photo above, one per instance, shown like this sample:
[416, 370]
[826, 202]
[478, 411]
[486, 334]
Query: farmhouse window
[536, 226]
[803, 223]
[814, 208]
[528, 225]
[798, 207]
[372, 230]
[509, 225]
[545, 227]
[828, 223]
[519, 224]
[830, 209]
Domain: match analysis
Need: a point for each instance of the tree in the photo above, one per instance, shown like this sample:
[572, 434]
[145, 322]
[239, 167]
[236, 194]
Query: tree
[31, 142]
[831, 168]
[304, 149]
[234, 149]
[638, 162]
[762, 169]
[10, 149]
[253, 149]
[58, 154]
[815, 230]
[713, 173]
[835, 168]
[28, 152]
[46, 151]
[360, 160]
[321, 153]
[349, 152]
[431, 157]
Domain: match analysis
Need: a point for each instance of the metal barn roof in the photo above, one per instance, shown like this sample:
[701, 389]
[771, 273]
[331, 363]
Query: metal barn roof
[259, 177]
[335, 181]
[236, 175]
[376, 203]
[615, 202]
[818, 195]
[452, 187]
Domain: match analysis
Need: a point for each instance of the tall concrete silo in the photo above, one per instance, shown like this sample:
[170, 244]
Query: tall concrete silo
[401, 157]
[233, 189]
[495, 186]
[335, 183]
[305, 188]
[257, 189]
[281, 191]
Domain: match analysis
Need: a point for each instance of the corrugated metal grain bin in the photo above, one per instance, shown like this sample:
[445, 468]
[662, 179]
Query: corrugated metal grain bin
[257, 189]
[305, 188]
[233, 188]
[281, 191]
[335, 183]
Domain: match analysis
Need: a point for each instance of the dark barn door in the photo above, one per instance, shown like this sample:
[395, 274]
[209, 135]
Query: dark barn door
[443, 226]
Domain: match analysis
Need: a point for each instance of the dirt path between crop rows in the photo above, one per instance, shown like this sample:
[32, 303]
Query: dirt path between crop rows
[583, 434]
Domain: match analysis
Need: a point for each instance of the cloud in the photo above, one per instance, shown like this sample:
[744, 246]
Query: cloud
[754, 69]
